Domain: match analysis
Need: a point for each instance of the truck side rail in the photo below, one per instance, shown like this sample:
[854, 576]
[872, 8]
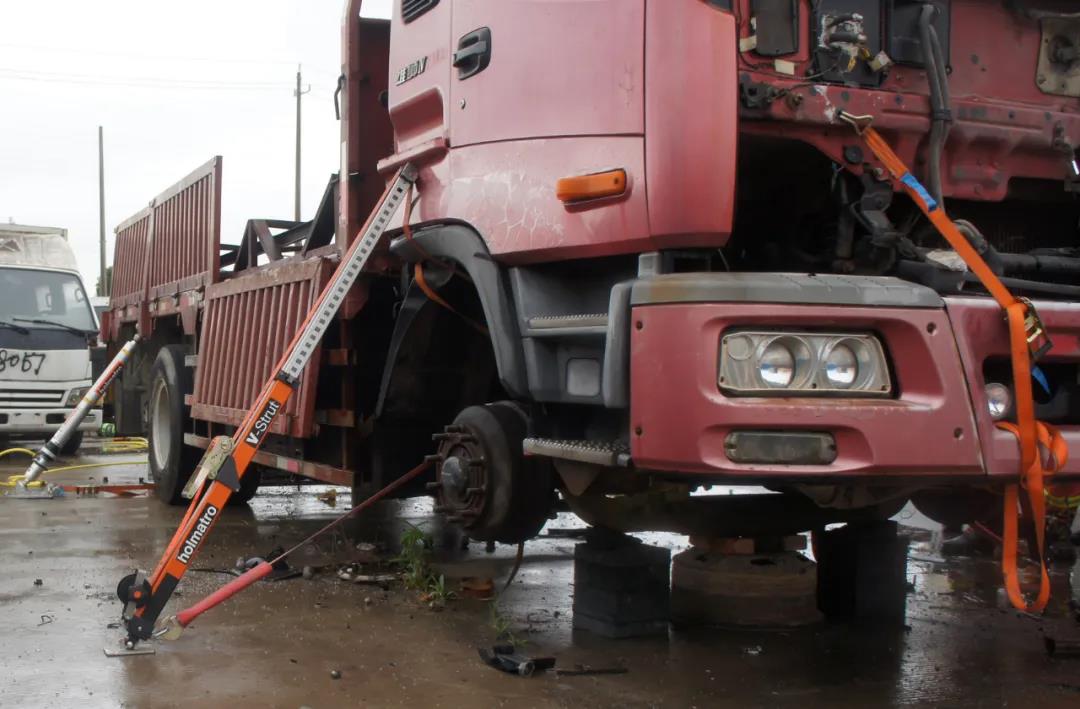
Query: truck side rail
[246, 326]
[185, 240]
[167, 249]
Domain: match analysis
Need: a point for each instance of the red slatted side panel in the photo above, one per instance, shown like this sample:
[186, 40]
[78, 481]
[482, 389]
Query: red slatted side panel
[248, 323]
[129, 260]
[187, 233]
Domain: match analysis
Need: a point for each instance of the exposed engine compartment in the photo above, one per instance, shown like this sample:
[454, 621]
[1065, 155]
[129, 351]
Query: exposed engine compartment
[994, 143]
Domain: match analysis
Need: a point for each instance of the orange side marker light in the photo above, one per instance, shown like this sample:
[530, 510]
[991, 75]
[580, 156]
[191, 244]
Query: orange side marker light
[595, 186]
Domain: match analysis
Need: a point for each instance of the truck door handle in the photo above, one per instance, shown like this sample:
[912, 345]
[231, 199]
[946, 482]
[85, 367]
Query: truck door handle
[473, 53]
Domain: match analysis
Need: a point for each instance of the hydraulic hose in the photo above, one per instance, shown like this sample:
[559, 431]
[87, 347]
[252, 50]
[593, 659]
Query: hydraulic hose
[940, 117]
[131, 445]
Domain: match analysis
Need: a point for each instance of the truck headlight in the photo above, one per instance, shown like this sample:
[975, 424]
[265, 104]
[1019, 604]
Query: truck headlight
[807, 363]
[75, 396]
[998, 400]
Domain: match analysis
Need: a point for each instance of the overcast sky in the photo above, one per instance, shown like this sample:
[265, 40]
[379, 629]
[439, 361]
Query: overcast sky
[173, 84]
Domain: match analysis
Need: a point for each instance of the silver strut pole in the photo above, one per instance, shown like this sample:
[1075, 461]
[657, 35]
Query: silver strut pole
[51, 449]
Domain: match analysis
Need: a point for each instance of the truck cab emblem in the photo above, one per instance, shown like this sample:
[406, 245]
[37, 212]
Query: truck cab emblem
[411, 71]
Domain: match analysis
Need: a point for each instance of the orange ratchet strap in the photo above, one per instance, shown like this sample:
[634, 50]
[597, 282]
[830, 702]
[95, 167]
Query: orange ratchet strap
[418, 270]
[1042, 449]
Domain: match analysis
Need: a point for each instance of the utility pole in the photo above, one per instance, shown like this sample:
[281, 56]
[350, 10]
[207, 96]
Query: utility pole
[298, 93]
[105, 286]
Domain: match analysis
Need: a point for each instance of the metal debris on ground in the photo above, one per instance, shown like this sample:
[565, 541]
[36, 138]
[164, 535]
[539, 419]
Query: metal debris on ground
[476, 588]
[352, 575]
[564, 533]
[1056, 647]
[507, 659]
[587, 670]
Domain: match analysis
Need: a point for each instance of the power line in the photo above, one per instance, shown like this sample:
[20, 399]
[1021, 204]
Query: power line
[136, 55]
[150, 82]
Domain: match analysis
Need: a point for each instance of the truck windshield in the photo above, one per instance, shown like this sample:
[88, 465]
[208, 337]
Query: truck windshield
[31, 294]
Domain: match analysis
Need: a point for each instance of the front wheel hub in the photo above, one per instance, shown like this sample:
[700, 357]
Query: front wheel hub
[484, 482]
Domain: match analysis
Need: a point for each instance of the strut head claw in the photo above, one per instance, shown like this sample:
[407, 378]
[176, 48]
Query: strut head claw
[170, 629]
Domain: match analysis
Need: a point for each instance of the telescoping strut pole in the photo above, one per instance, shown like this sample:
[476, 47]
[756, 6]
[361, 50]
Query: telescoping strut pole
[226, 460]
[52, 447]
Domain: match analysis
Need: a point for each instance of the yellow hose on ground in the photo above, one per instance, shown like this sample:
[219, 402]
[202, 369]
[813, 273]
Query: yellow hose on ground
[132, 445]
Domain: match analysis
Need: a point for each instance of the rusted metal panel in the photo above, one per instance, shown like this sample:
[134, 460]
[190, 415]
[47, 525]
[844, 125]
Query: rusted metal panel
[247, 324]
[129, 261]
[186, 238]
[168, 249]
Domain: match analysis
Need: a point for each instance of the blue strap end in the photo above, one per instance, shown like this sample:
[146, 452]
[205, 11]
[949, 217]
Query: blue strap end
[909, 180]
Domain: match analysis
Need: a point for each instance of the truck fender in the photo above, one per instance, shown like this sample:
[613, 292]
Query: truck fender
[462, 244]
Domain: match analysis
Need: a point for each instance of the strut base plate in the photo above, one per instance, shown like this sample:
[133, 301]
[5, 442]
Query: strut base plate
[123, 651]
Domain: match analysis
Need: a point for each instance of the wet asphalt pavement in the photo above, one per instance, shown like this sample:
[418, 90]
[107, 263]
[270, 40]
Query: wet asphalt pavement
[277, 644]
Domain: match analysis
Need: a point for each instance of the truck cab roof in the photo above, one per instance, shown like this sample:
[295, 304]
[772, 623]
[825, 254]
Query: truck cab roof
[36, 246]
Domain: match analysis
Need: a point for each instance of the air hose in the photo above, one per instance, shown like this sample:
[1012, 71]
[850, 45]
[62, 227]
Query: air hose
[127, 445]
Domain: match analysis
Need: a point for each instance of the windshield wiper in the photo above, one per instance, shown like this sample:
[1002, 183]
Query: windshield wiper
[69, 328]
[17, 328]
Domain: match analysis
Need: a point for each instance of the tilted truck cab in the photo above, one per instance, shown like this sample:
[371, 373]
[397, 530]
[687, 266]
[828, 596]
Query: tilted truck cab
[645, 255]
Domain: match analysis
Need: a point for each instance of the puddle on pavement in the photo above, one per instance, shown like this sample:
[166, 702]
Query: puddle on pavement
[276, 644]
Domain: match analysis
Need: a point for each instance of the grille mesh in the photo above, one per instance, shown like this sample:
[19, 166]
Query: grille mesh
[411, 9]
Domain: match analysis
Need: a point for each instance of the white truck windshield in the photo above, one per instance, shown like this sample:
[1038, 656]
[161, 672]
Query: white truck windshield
[31, 294]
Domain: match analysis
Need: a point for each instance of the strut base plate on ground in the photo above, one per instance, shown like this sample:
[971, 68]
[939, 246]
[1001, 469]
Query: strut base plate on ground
[122, 651]
[44, 492]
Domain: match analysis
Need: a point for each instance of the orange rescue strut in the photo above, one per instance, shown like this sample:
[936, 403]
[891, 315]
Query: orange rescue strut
[1042, 449]
[226, 459]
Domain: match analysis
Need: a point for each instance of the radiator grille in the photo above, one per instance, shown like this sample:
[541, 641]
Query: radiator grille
[411, 9]
[31, 398]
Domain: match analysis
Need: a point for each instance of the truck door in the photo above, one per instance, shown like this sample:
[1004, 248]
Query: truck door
[524, 69]
[420, 57]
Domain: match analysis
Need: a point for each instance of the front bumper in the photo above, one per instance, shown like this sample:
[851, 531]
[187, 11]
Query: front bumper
[43, 421]
[680, 420]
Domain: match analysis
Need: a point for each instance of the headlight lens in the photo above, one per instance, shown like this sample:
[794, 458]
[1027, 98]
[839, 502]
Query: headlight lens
[998, 400]
[776, 366]
[75, 396]
[841, 367]
[771, 363]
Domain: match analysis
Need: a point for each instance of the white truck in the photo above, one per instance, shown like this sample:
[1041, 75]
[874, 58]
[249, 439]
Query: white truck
[47, 329]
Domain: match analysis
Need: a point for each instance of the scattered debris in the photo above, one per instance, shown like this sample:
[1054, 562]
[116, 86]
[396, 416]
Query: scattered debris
[352, 574]
[506, 659]
[565, 533]
[38, 582]
[329, 497]
[1062, 648]
[753, 650]
[480, 589]
[46, 619]
[586, 670]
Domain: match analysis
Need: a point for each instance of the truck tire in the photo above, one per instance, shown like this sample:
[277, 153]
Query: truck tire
[171, 462]
[71, 447]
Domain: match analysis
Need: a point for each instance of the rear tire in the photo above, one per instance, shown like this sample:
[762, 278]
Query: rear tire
[171, 462]
[71, 447]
